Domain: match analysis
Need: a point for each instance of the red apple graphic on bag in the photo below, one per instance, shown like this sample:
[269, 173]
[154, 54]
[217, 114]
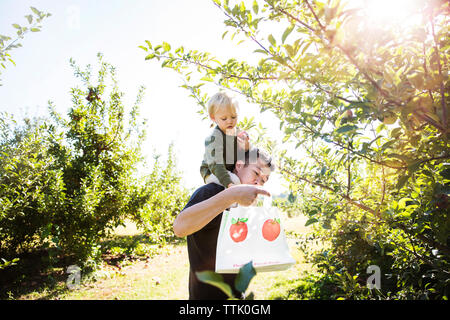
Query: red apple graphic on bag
[238, 229]
[271, 229]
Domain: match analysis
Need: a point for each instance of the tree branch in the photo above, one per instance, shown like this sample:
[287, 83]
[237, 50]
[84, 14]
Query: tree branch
[355, 152]
[345, 197]
[349, 173]
[443, 103]
[294, 18]
[432, 243]
[315, 16]
[425, 118]
[241, 27]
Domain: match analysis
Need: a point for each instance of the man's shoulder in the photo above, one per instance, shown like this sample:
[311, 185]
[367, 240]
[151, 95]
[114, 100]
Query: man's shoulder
[203, 193]
[208, 190]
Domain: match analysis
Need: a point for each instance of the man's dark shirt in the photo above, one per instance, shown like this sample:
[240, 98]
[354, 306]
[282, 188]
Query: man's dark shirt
[202, 250]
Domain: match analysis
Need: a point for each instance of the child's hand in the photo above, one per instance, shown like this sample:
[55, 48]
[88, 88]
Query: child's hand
[243, 140]
[243, 135]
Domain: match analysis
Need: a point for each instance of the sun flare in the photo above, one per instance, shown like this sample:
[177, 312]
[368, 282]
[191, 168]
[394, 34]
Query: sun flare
[392, 12]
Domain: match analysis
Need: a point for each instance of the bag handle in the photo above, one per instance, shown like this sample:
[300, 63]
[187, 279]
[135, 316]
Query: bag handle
[265, 200]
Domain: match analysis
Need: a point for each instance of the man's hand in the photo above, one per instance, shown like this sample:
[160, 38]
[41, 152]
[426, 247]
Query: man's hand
[246, 194]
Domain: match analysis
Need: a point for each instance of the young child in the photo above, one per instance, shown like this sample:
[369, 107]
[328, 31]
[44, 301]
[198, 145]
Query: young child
[225, 142]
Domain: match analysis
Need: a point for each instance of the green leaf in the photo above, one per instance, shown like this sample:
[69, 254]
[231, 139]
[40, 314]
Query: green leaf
[291, 198]
[255, 6]
[388, 144]
[278, 59]
[396, 132]
[15, 25]
[260, 51]
[326, 225]
[166, 46]
[251, 296]
[35, 29]
[242, 7]
[401, 181]
[413, 166]
[311, 221]
[272, 40]
[150, 56]
[224, 34]
[417, 80]
[346, 128]
[165, 62]
[36, 11]
[216, 280]
[290, 50]
[402, 203]
[245, 275]
[290, 130]
[287, 32]
[298, 106]
[380, 127]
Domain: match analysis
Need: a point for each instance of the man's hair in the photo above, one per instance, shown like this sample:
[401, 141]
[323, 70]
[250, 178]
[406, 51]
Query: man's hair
[221, 100]
[256, 153]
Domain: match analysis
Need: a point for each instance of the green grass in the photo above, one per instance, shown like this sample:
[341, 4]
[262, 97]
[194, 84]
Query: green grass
[162, 277]
[274, 285]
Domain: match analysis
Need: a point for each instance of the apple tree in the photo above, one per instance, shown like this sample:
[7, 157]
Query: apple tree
[365, 105]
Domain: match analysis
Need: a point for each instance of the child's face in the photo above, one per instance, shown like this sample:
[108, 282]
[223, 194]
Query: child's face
[226, 119]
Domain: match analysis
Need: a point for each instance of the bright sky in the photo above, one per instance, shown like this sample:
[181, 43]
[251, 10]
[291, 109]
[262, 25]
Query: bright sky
[80, 29]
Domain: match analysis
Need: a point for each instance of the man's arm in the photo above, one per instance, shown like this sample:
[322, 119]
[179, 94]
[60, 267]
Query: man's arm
[194, 218]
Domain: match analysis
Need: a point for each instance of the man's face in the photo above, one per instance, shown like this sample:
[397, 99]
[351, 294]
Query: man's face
[255, 173]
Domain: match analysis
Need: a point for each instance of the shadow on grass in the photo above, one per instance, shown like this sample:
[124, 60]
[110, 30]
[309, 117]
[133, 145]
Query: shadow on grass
[309, 287]
[34, 272]
[42, 274]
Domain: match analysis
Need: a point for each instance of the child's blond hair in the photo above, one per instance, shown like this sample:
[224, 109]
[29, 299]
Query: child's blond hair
[221, 100]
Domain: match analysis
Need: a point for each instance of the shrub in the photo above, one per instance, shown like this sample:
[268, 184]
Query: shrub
[166, 198]
[67, 182]
[29, 186]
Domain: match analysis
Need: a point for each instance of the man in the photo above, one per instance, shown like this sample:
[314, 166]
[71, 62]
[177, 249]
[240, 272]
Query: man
[200, 219]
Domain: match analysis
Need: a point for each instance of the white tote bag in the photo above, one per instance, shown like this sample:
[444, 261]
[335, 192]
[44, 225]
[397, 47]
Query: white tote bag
[252, 234]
